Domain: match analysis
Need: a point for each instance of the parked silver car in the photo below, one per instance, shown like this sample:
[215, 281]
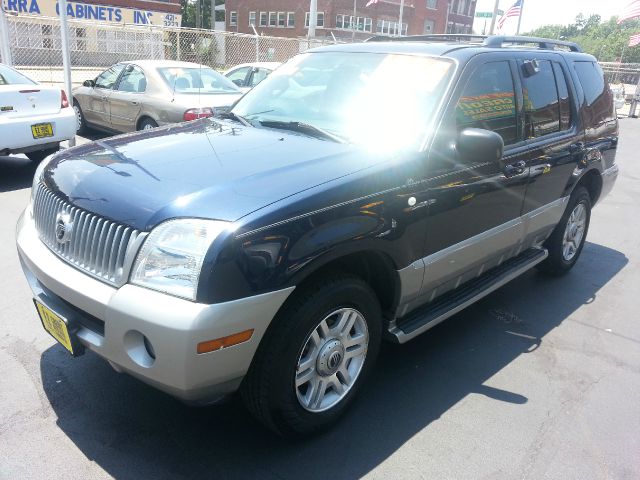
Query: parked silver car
[248, 75]
[145, 94]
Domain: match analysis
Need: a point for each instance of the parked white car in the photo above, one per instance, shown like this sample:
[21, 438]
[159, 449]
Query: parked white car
[34, 118]
[248, 75]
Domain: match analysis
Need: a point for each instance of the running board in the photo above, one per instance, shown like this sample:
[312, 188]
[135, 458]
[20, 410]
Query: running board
[424, 318]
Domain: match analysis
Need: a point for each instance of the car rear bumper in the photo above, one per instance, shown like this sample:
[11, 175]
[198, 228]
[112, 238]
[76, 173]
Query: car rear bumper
[16, 136]
[113, 323]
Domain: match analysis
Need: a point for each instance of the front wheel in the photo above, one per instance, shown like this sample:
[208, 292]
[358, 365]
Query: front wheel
[315, 356]
[147, 124]
[567, 240]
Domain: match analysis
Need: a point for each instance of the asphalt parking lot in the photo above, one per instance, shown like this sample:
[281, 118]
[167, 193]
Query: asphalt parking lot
[541, 379]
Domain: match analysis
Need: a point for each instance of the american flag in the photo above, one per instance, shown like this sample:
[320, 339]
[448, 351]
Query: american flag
[632, 10]
[371, 2]
[514, 11]
[634, 40]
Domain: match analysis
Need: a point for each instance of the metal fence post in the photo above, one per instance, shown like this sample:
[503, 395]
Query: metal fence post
[66, 60]
[5, 48]
[257, 43]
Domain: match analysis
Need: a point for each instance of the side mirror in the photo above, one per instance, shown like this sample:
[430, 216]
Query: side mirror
[89, 83]
[238, 82]
[478, 145]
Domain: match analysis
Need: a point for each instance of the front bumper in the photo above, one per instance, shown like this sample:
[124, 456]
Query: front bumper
[173, 326]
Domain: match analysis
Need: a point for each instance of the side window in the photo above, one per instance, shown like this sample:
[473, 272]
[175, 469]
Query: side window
[563, 94]
[259, 74]
[542, 115]
[108, 78]
[238, 77]
[591, 79]
[132, 80]
[489, 102]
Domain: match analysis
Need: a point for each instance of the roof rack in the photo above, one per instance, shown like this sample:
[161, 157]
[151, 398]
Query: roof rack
[494, 41]
[498, 41]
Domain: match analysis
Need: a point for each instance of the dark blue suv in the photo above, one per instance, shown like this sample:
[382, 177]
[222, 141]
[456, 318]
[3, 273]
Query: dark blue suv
[361, 192]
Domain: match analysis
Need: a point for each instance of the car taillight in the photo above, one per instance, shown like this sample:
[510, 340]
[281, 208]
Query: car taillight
[195, 113]
[64, 102]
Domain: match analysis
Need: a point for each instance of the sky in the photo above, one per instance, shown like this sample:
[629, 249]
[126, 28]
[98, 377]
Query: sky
[543, 12]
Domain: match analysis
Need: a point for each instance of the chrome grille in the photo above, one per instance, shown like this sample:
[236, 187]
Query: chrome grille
[98, 246]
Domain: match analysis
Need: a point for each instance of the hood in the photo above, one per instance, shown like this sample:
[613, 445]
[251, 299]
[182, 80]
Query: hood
[206, 169]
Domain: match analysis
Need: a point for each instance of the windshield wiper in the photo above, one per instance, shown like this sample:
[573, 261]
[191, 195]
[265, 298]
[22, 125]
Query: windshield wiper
[302, 127]
[234, 116]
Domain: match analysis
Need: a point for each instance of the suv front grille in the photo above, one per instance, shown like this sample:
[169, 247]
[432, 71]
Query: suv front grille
[98, 246]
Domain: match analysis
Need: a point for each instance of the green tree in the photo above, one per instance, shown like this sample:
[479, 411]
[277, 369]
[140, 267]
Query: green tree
[188, 8]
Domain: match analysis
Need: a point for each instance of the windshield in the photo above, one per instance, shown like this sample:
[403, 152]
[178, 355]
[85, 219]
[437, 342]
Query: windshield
[9, 76]
[385, 100]
[196, 80]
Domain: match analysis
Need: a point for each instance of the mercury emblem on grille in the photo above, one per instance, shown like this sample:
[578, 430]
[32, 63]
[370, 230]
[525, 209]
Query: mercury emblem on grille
[64, 227]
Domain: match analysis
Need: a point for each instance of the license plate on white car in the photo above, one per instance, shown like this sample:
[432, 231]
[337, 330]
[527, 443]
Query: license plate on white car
[42, 130]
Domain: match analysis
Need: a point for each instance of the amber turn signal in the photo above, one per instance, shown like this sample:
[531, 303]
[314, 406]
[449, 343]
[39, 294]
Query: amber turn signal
[224, 342]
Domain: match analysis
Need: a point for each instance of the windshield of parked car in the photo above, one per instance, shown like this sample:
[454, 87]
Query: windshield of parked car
[9, 76]
[386, 100]
[196, 80]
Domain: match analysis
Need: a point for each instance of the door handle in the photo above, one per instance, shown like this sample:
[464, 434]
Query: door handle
[577, 147]
[134, 103]
[514, 169]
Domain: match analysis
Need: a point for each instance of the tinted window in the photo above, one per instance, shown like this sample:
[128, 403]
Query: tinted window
[563, 94]
[133, 80]
[488, 101]
[591, 79]
[542, 112]
[108, 78]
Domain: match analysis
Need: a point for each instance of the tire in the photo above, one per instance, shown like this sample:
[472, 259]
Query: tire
[271, 390]
[147, 124]
[562, 255]
[81, 124]
[39, 155]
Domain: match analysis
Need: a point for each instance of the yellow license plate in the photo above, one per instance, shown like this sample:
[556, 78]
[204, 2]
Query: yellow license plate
[42, 130]
[55, 325]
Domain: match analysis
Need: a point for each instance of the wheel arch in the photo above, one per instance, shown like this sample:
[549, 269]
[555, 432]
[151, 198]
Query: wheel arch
[144, 117]
[592, 181]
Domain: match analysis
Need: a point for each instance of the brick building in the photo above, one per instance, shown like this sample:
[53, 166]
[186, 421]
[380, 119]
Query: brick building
[290, 18]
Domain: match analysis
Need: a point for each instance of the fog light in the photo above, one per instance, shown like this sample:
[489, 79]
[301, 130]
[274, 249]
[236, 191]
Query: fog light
[149, 347]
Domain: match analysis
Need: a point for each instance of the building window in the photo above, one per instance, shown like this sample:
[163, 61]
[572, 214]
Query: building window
[291, 19]
[429, 25]
[233, 18]
[433, 4]
[273, 19]
[319, 22]
[388, 27]
[81, 42]
[263, 19]
[282, 19]
[346, 22]
[252, 19]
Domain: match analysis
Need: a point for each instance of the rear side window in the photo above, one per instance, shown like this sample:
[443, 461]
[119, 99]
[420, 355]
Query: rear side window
[489, 102]
[541, 103]
[563, 94]
[592, 80]
[8, 76]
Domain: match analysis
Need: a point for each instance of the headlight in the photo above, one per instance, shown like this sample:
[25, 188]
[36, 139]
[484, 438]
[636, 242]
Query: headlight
[171, 258]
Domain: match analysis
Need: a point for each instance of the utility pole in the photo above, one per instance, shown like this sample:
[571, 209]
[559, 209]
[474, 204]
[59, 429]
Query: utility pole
[355, 21]
[66, 58]
[313, 18]
[494, 17]
[520, 17]
[5, 48]
[198, 15]
[213, 14]
[401, 14]
[446, 20]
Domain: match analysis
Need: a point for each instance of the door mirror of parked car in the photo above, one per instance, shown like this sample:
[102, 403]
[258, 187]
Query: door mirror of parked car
[479, 145]
[89, 83]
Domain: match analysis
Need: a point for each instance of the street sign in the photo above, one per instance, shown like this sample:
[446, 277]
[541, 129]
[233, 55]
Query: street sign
[484, 14]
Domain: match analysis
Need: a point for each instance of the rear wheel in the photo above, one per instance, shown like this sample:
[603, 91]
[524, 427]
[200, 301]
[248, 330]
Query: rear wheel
[315, 357]
[567, 240]
[147, 124]
[39, 155]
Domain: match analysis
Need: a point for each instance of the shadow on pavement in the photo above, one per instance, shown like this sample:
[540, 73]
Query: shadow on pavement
[133, 431]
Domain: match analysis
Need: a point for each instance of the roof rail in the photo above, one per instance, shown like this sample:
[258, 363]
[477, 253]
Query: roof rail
[446, 37]
[498, 41]
[494, 41]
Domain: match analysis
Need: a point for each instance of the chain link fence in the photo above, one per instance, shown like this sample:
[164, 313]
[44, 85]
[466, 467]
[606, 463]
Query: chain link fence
[36, 47]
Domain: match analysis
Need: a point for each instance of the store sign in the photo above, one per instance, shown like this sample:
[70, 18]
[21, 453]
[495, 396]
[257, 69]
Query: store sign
[91, 12]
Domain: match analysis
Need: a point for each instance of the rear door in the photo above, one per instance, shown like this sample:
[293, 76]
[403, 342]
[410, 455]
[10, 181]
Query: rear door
[125, 102]
[554, 138]
[96, 106]
[474, 208]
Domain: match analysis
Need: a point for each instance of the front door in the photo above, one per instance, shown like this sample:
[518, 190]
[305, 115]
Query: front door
[96, 108]
[126, 99]
[475, 206]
